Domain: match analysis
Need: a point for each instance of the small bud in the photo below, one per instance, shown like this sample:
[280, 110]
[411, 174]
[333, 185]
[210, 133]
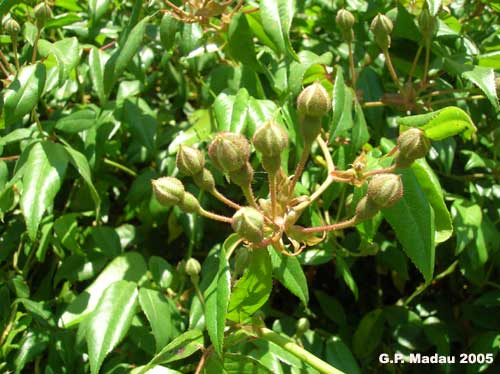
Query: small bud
[427, 24]
[412, 144]
[345, 21]
[270, 139]
[249, 224]
[192, 267]
[381, 28]
[204, 180]
[168, 190]
[241, 260]
[189, 161]
[385, 190]
[365, 209]
[314, 101]
[229, 151]
[189, 203]
[12, 27]
[243, 176]
[302, 326]
[43, 13]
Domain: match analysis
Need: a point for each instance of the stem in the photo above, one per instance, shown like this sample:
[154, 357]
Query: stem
[394, 75]
[4, 70]
[247, 191]
[272, 193]
[326, 153]
[351, 65]
[224, 199]
[4, 60]
[414, 64]
[14, 48]
[336, 226]
[446, 92]
[426, 66]
[35, 46]
[390, 169]
[214, 216]
[300, 166]
[373, 104]
[473, 97]
[296, 350]
[120, 166]
[38, 123]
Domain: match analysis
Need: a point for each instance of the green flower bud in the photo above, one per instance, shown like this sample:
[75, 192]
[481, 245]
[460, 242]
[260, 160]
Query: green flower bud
[12, 27]
[43, 13]
[310, 128]
[189, 203]
[302, 326]
[412, 144]
[366, 209]
[249, 224]
[270, 139]
[381, 28]
[189, 161]
[193, 269]
[345, 20]
[385, 190]
[243, 176]
[241, 260]
[314, 101]
[229, 151]
[204, 180]
[427, 24]
[168, 190]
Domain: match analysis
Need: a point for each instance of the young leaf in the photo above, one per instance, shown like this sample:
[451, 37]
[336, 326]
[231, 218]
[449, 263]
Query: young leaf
[97, 62]
[368, 334]
[253, 289]
[110, 321]
[289, 272]
[277, 18]
[77, 121]
[239, 35]
[43, 176]
[340, 356]
[442, 123]
[216, 302]
[23, 93]
[231, 111]
[412, 218]
[342, 106]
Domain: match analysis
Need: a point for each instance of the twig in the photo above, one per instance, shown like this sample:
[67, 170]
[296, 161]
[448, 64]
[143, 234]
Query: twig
[214, 216]
[336, 226]
[300, 166]
[467, 98]
[120, 166]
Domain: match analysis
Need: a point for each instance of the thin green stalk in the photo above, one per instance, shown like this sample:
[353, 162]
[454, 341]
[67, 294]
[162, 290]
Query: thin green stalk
[14, 48]
[426, 66]
[272, 193]
[414, 64]
[4, 59]
[351, 65]
[130, 172]
[296, 350]
[247, 191]
[35, 46]
[392, 71]
[300, 166]
[214, 216]
[224, 199]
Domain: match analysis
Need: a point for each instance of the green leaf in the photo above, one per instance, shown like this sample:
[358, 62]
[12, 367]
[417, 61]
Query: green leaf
[44, 172]
[66, 52]
[168, 29]
[429, 183]
[484, 78]
[109, 322]
[216, 302]
[344, 271]
[130, 267]
[97, 62]
[442, 123]
[412, 218]
[23, 93]
[162, 271]
[360, 134]
[97, 9]
[342, 106]
[340, 356]
[434, 6]
[231, 111]
[77, 121]
[259, 111]
[277, 18]
[288, 271]
[181, 347]
[234, 363]
[253, 289]
[30, 347]
[121, 59]
[368, 335]
[158, 312]
[239, 34]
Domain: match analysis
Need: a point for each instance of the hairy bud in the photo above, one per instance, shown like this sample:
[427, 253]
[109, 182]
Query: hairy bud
[366, 209]
[43, 13]
[412, 144]
[345, 21]
[381, 28]
[229, 151]
[189, 161]
[270, 139]
[249, 224]
[189, 203]
[385, 190]
[204, 180]
[243, 176]
[168, 190]
[12, 27]
[314, 101]
[427, 24]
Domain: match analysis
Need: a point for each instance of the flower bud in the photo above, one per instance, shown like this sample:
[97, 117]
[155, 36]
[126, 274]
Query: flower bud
[204, 180]
[12, 27]
[249, 224]
[168, 190]
[189, 161]
[229, 151]
[345, 20]
[302, 326]
[271, 164]
[427, 24]
[365, 209]
[381, 28]
[43, 13]
[243, 176]
[189, 203]
[412, 144]
[193, 269]
[385, 190]
[314, 101]
[270, 139]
